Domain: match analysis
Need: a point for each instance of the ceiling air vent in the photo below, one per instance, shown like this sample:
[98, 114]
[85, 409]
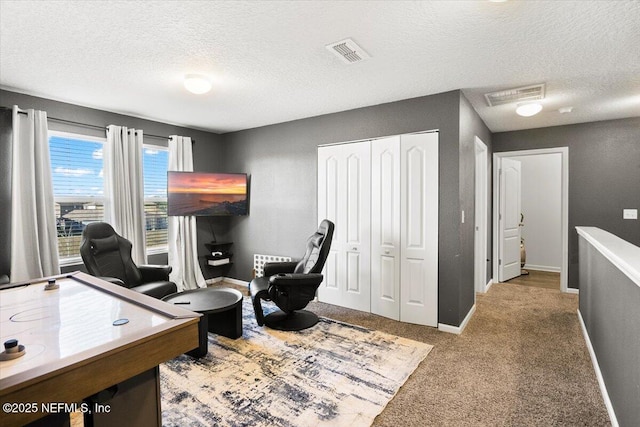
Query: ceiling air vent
[520, 94]
[348, 51]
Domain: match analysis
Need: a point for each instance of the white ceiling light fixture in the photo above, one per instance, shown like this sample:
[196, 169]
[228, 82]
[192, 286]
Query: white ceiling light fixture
[197, 83]
[565, 110]
[528, 110]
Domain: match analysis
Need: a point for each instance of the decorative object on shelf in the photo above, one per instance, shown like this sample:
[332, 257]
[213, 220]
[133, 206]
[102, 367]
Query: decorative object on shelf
[218, 261]
[219, 254]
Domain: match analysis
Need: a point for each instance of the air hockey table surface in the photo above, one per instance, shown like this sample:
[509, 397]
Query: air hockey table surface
[80, 337]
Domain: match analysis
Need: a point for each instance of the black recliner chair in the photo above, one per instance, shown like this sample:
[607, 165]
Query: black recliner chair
[292, 285]
[108, 255]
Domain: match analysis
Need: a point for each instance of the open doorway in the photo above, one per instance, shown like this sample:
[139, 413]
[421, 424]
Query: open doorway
[538, 214]
[481, 216]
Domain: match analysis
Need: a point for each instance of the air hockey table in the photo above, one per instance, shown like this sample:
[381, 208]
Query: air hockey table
[87, 345]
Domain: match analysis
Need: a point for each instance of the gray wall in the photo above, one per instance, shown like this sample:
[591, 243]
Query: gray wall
[282, 162]
[206, 151]
[604, 174]
[5, 190]
[471, 126]
[609, 303]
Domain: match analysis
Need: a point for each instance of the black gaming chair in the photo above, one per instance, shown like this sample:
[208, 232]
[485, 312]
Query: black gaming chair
[291, 285]
[108, 255]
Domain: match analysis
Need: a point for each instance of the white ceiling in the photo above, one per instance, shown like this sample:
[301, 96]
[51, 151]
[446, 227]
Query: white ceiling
[269, 63]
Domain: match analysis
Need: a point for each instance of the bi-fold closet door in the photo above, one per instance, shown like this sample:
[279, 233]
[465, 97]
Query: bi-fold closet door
[391, 205]
[344, 197]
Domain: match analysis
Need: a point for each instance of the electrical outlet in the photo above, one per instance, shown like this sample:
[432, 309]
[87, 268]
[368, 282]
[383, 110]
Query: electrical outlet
[630, 214]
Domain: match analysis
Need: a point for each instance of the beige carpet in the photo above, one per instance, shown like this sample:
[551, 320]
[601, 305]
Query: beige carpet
[521, 361]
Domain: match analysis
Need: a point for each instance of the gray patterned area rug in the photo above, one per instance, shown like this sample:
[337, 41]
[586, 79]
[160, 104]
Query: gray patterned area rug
[333, 374]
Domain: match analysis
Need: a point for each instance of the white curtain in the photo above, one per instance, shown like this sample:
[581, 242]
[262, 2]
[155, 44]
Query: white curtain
[34, 242]
[183, 250]
[123, 181]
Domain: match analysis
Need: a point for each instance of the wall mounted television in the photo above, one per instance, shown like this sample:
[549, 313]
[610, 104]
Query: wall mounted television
[207, 194]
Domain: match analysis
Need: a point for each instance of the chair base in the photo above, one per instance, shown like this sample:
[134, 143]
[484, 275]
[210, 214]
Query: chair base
[295, 321]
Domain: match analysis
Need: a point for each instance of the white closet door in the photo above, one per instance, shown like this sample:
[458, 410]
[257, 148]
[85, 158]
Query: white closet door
[344, 196]
[329, 192]
[419, 228]
[385, 227]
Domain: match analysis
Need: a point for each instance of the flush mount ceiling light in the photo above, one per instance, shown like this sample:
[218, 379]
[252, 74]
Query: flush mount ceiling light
[197, 83]
[528, 110]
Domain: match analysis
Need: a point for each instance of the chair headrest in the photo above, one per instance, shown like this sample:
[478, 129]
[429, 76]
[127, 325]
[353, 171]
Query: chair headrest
[98, 230]
[317, 239]
[325, 227]
[107, 244]
[318, 246]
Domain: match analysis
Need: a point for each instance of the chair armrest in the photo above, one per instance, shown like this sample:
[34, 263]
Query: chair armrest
[290, 280]
[271, 268]
[154, 273]
[158, 289]
[113, 280]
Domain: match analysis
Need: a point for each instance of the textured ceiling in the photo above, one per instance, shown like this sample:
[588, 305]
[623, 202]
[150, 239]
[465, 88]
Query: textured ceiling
[269, 63]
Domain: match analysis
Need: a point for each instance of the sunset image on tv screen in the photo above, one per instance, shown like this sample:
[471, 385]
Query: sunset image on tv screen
[206, 194]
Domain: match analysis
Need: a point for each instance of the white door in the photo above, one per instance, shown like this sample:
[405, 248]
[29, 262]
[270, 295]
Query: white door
[509, 220]
[344, 197]
[329, 189]
[419, 228]
[385, 227]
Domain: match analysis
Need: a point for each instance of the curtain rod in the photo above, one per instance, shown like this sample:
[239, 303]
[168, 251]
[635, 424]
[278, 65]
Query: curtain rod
[90, 125]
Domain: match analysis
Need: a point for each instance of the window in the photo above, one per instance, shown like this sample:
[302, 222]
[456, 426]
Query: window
[78, 190]
[155, 162]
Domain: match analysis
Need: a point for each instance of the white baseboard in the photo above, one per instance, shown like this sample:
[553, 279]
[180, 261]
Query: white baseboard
[213, 280]
[486, 287]
[489, 283]
[573, 291]
[596, 367]
[228, 280]
[457, 329]
[236, 281]
[550, 269]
